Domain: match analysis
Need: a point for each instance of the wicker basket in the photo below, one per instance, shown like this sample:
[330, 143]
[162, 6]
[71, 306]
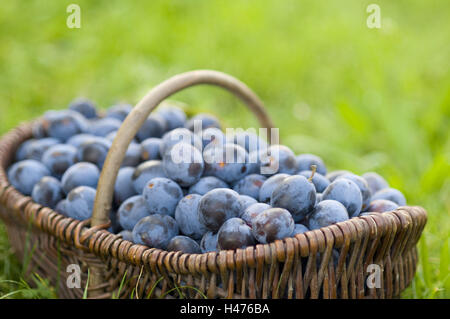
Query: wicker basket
[330, 262]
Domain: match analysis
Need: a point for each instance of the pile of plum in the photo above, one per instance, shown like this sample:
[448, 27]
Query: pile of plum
[201, 204]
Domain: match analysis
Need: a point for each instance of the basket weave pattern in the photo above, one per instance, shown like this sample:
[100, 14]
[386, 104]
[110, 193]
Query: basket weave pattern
[300, 267]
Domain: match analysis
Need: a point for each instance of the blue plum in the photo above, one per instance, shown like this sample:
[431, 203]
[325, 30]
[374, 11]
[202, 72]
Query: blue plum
[277, 159]
[61, 207]
[205, 184]
[47, 192]
[162, 196]
[183, 164]
[250, 185]
[296, 194]
[123, 187]
[272, 224]
[119, 111]
[79, 139]
[363, 187]
[36, 148]
[186, 215]
[246, 201]
[22, 151]
[132, 155]
[347, 193]
[209, 242]
[103, 126]
[234, 234]
[94, 151]
[375, 181]
[126, 235]
[154, 126]
[150, 149]
[305, 161]
[64, 124]
[184, 244]
[217, 206]
[299, 229]
[131, 211]
[80, 174]
[173, 115]
[320, 182]
[227, 162]
[391, 194]
[80, 202]
[155, 231]
[145, 172]
[84, 106]
[25, 174]
[326, 213]
[331, 176]
[381, 206]
[252, 211]
[58, 158]
[203, 121]
[265, 192]
[179, 135]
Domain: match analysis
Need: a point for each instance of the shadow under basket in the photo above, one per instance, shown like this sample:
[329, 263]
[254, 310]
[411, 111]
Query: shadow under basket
[373, 256]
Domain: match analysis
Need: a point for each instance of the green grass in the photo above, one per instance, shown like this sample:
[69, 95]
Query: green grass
[363, 99]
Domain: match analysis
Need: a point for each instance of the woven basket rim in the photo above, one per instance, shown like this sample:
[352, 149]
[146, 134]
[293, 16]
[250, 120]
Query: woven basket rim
[407, 220]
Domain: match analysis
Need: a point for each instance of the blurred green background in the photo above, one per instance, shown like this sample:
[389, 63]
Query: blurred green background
[363, 99]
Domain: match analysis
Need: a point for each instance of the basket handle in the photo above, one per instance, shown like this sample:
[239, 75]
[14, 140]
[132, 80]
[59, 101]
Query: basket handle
[141, 111]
